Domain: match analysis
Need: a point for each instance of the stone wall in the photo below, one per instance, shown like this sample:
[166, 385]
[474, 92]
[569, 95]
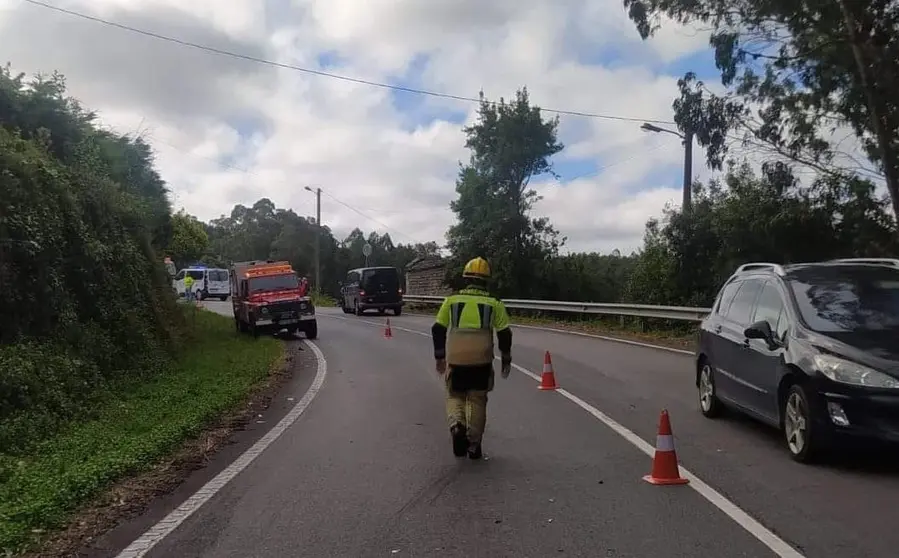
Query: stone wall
[424, 277]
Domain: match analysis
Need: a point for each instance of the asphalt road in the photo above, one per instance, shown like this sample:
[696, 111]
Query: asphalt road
[367, 470]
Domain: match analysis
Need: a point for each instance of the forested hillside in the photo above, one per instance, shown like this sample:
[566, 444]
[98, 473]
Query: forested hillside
[83, 294]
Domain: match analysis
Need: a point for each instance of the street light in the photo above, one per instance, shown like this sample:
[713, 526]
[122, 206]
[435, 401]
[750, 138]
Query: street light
[688, 160]
[318, 224]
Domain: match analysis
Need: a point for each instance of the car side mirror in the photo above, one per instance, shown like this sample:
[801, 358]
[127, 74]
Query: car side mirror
[761, 330]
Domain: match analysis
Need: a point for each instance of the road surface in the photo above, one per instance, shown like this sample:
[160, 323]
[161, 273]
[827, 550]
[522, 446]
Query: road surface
[367, 469]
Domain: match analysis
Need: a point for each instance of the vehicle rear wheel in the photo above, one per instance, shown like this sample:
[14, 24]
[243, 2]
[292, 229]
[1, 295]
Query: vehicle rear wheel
[312, 330]
[804, 442]
[398, 310]
[709, 403]
[223, 298]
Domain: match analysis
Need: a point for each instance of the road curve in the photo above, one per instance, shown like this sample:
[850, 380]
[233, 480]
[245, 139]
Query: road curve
[845, 508]
[368, 471]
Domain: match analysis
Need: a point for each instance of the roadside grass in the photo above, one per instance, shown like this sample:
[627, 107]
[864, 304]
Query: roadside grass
[322, 300]
[136, 427]
[666, 333]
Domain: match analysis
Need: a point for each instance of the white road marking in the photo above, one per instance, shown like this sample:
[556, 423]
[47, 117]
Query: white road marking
[778, 546]
[142, 545]
[607, 338]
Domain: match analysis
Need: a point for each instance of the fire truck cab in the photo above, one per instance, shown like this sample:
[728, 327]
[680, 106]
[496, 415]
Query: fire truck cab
[267, 297]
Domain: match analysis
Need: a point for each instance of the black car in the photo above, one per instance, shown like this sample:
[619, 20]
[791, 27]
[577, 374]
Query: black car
[372, 288]
[812, 349]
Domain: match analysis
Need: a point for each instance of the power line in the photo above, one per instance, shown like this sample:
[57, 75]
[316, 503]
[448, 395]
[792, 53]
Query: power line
[600, 170]
[258, 60]
[372, 219]
[325, 192]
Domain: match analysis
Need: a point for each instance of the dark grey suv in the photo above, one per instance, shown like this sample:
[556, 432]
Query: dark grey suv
[812, 349]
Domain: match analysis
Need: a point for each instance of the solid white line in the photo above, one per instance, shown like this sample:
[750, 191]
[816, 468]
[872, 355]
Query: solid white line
[142, 545]
[607, 338]
[764, 535]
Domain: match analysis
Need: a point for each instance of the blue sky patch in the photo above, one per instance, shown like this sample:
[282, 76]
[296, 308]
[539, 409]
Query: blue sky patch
[702, 63]
[415, 108]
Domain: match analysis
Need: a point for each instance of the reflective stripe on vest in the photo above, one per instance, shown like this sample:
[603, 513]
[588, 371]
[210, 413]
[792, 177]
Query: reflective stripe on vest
[470, 336]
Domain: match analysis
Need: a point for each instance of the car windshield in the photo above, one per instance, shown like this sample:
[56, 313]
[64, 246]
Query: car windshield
[848, 298]
[273, 283]
[373, 279]
[217, 275]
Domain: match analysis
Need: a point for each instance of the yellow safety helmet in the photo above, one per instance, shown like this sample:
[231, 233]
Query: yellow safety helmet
[477, 268]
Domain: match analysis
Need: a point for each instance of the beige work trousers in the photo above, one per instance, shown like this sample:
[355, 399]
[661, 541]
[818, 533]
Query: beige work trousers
[467, 407]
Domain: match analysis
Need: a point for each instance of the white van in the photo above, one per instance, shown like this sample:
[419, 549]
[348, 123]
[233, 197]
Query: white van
[208, 282]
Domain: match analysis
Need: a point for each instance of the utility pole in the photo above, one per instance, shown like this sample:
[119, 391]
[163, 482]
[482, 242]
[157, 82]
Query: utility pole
[318, 236]
[688, 172]
[687, 203]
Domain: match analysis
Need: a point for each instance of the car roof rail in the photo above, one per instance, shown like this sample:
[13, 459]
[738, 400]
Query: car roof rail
[893, 262]
[776, 268]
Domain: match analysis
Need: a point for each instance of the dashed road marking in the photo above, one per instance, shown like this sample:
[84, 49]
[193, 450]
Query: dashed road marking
[143, 544]
[778, 546]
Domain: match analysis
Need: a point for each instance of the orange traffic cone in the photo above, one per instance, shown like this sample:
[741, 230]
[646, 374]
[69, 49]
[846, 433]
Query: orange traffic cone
[387, 333]
[664, 464]
[548, 380]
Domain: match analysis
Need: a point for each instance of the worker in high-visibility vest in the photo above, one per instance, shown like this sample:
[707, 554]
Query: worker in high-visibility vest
[463, 347]
[188, 287]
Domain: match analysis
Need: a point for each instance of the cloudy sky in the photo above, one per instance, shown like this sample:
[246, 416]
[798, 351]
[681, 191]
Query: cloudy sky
[229, 130]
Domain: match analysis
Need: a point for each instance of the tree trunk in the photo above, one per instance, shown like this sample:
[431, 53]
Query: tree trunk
[876, 109]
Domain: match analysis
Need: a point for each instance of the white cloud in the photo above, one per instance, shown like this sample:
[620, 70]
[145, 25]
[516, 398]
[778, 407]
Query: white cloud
[231, 131]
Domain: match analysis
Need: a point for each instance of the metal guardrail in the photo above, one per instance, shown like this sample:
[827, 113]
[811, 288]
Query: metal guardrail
[635, 310]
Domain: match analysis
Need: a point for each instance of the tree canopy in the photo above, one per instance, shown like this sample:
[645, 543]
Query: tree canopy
[510, 143]
[264, 231]
[795, 72]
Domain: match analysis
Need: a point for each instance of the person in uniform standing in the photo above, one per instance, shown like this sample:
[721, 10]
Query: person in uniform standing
[189, 287]
[463, 348]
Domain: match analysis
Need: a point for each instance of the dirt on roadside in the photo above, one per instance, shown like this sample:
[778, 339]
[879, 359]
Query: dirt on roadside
[132, 496]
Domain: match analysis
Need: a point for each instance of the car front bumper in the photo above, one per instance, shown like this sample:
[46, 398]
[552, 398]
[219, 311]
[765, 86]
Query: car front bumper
[859, 413]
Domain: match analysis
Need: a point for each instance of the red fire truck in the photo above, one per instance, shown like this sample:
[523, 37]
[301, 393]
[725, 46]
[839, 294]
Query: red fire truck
[267, 297]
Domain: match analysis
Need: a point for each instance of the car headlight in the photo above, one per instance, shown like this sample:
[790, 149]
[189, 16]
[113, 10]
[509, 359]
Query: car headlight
[846, 372]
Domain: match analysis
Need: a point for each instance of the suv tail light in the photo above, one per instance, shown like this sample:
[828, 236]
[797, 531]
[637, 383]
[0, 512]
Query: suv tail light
[361, 292]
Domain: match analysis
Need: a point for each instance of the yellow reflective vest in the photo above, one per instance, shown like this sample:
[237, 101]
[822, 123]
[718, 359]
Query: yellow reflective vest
[464, 326]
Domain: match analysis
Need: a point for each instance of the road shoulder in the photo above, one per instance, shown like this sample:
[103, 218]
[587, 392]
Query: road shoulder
[128, 507]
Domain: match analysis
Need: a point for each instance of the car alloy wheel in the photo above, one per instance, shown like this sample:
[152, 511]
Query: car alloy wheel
[796, 423]
[708, 402]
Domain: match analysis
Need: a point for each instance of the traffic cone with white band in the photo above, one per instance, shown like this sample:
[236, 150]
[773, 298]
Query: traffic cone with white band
[548, 380]
[388, 334]
[664, 465]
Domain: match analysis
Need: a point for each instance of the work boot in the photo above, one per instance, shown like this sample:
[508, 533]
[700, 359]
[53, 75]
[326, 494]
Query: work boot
[474, 451]
[460, 439]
